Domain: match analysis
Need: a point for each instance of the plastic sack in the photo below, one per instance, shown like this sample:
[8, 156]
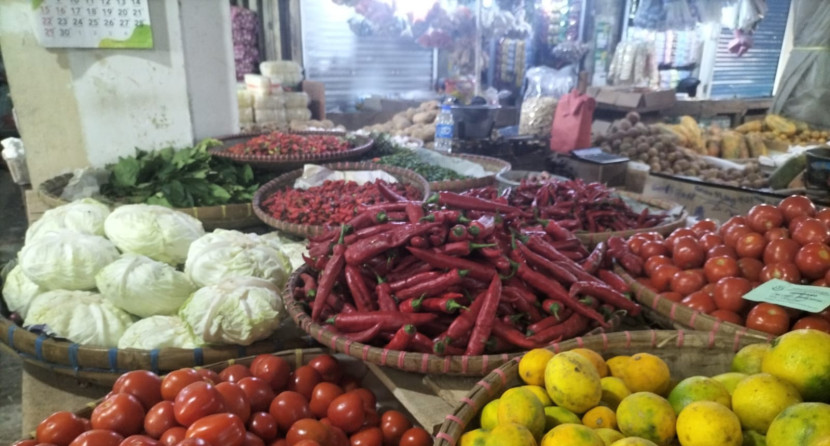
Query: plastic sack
[544, 86]
[571, 127]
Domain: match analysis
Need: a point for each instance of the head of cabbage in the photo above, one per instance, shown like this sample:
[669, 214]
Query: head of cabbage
[19, 291]
[223, 254]
[85, 216]
[66, 260]
[80, 316]
[240, 310]
[157, 232]
[159, 332]
[144, 287]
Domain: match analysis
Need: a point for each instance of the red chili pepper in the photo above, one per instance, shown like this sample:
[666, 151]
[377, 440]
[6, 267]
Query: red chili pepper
[363, 336]
[402, 338]
[414, 212]
[347, 308]
[309, 286]
[554, 290]
[421, 343]
[438, 260]
[458, 233]
[498, 345]
[389, 320]
[567, 245]
[592, 263]
[448, 303]
[553, 229]
[556, 308]
[406, 269]
[414, 280]
[486, 317]
[377, 207]
[366, 219]
[459, 329]
[410, 305]
[385, 300]
[549, 321]
[614, 280]
[434, 286]
[360, 292]
[574, 325]
[446, 216]
[419, 242]
[557, 271]
[482, 227]
[328, 276]
[513, 336]
[365, 249]
[390, 193]
[372, 231]
[462, 248]
[606, 294]
[475, 204]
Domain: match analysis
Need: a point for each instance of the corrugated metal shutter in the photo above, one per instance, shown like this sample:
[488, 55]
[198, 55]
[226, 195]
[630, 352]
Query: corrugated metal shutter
[753, 74]
[352, 66]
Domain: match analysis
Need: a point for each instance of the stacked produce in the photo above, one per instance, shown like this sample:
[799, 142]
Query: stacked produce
[107, 279]
[284, 144]
[458, 274]
[414, 122]
[264, 403]
[774, 394]
[709, 269]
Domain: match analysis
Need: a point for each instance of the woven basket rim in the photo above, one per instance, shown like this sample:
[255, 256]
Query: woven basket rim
[287, 178]
[491, 164]
[678, 313]
[288, 161]
[424, 363]
[506, 375]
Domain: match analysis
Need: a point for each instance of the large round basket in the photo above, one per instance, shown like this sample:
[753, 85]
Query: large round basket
[401, 360]
[286, 180]
[99, 365]
[282, 163]
[228, 216]
[493, 166]
[686, 353]
[674, 221]
[676, 315]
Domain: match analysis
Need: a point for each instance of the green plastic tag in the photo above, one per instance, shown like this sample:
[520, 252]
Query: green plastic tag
[801, 297]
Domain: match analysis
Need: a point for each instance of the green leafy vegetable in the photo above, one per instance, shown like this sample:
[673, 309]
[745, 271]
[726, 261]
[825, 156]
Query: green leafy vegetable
[409, 160]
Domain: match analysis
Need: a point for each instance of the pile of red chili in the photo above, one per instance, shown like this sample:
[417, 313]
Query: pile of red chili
[458, 275]
[334, 202]
[279, 143]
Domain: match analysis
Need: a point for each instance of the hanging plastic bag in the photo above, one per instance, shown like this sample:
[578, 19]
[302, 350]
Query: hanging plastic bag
[544, 86]
[571, 128]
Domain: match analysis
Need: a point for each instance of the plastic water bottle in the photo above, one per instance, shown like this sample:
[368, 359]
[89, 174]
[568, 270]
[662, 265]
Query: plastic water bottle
[443, 130]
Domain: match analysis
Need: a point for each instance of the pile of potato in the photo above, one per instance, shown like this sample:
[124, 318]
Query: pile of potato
[413, 122]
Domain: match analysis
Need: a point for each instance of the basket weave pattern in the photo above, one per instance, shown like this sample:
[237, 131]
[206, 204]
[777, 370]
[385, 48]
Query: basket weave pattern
[287, 162]
[494, 166]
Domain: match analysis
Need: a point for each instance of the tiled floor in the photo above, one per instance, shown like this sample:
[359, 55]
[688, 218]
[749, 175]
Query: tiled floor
[12, 229]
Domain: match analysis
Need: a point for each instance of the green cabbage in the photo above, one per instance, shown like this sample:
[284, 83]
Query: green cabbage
[85, 216]
[144, 287]
[66, 260]
[240, 310]
[223, 254]
[19, 291]
[157, 232]
[291, 250]
[159, 332]
[80, 316]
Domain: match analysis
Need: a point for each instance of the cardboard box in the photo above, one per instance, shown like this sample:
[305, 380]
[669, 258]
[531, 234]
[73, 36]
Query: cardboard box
[316, 92]
[633, 98]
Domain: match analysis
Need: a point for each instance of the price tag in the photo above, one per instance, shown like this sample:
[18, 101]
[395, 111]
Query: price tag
[801, 297]
[92, 23]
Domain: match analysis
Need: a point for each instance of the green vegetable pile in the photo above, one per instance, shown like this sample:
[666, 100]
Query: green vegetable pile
[182, 178]
[408, 160]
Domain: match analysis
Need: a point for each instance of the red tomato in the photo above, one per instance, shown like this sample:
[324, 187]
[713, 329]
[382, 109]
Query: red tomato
[782, 270]
[750, 269]
[303, 380]
[671, 295]
[827, 277]
[729, 292]
[811, 230]
[122, 413]
[139, 440]
[709, 288]
[98, 437]
[813, 260]
[209, 376]
[721, 251]
[796, 222]
[647, 283]
[264, 425]
[372, 418]
[195, 401]
[193, 442]
[142, 384]
[172, 436]
[705, 226]
[367, 437]
[218, 429]
[252, 439]
[322, 395]
[824, 215]
[307, 429]
[768, 318]
[663, 274]
[687, 253]
[289, 407]
[763, 217]
[678, 233]
[650, 249]
[813, 322]
[347, 412]
[328, 367]
[776, 234]
[731, 236]
[635, 243]
[235, 399]
[305, 443]
[824, 314]
[282, 442]
[796, 205]
[819, 282]
[393, 424]
[653, 262]
[781, 250]
[416, 436]
[349, 383]
[177, 380]
[717, 268]
[258, 391]
[159, 419]
[727, 316]
[273, 370]
[60, 428]
[751, 244]
[687, 282]
[233, 373]
[700, 301]
[366, 395]
[710, 240]
[27, 443]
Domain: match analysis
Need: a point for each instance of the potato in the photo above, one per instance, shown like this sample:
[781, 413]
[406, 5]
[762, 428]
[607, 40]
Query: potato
[424, 117]
[429, 105]
[400, 122]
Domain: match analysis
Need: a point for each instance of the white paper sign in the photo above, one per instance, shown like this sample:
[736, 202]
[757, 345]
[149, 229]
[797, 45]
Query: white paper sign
[92, 23]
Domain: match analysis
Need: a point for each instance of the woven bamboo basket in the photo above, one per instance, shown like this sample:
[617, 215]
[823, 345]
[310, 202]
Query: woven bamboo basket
[401, 360]
[286, 180]
[686, 353]
[590, 239]
[228, 216]
[282, 163]
[493, 166]
[100, 365]
[676, 315]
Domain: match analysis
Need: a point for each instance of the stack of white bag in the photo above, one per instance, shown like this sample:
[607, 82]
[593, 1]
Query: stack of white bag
[288, 74]
[245, 102]
[107, 279]
[267, 101]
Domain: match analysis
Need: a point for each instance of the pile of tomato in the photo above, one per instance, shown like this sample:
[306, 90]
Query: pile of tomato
[710, 268]
[264, 404]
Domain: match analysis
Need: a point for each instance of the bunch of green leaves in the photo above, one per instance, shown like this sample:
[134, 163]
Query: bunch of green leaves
[183, 178]
[409, 160]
